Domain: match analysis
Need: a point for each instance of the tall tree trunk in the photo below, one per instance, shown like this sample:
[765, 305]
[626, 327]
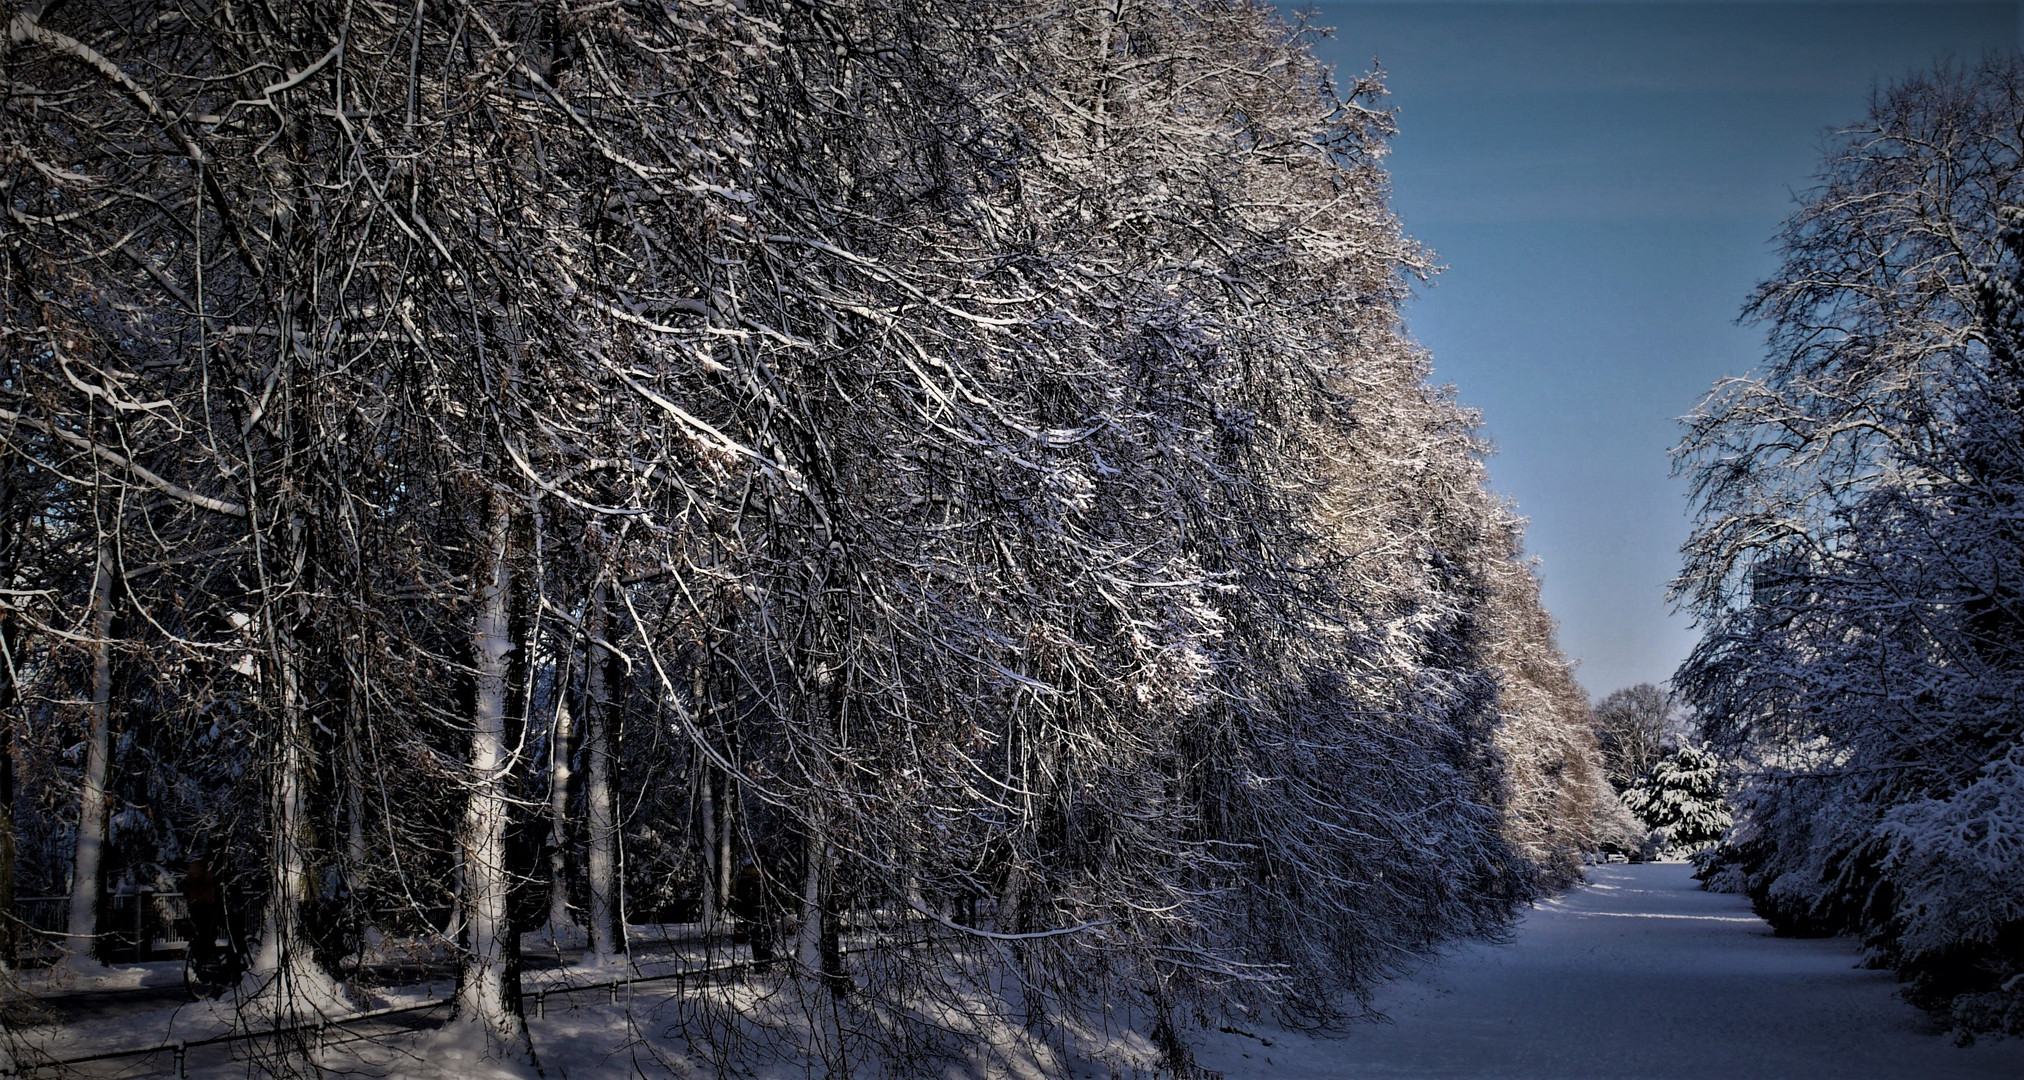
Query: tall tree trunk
[10, 547]
[356, 852]
[6, 799]
[354, 797]
[708, 823]
[488, 991]
[600, 806]
[560, 734]
[284, 980]
[728, 816]
[86, 864]
[8, 700]
[818, 949]
[808, 935]
[706, 776]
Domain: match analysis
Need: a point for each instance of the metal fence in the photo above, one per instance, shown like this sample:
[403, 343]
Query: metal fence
[132, 926]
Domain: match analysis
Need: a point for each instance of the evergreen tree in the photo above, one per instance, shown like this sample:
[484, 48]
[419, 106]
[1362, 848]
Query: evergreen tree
[1682, 797]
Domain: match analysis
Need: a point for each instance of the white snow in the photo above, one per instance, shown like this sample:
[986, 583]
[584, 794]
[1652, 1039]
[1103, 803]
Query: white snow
[1639, 975]
[72, 976]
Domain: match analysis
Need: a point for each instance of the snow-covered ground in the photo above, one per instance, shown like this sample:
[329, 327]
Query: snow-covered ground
[1639, 975]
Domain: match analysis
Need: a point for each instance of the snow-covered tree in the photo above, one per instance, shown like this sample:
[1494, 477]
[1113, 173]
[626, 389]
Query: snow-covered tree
[1855, 564]
[1682, 797]
[1618, 831]
[961, 464]
[1554, 776]
[1635, 726]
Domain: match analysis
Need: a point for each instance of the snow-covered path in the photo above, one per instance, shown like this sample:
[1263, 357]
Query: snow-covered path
[1638, 975]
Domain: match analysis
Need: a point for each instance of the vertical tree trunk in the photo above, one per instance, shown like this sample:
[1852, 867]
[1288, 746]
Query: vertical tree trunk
[808, 935]
[85, 863]
[278, 937]
[354, 836]
[354, 798]
[706, 776]
[488, 991]
[10, 542]
[708, 823]
[829, 942]
[6, 812]
[728, 815]
[8, 701]
[356, 852]
[600, 807]
[559, 737]
[284, 981]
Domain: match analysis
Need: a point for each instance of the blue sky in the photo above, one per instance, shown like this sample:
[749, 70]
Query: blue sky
[1602, 181]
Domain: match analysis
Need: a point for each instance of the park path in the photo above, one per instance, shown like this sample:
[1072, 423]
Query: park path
[1637, 975]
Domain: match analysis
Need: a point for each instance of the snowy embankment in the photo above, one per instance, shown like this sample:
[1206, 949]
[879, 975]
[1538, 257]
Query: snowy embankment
[1638, 975]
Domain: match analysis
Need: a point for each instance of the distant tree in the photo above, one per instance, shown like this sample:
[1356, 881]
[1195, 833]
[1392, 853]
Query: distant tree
[1634, 728]
[1682, 797]
[1617, 830]
[1554, 791]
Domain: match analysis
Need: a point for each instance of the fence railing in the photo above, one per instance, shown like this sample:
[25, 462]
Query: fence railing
[132, 926]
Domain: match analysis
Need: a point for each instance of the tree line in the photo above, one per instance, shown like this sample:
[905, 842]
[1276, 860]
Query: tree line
[479, 466]
[1855, 564]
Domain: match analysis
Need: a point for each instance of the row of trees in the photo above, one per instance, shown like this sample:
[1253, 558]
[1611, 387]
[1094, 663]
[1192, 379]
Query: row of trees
[474, 460]
[1856, 561]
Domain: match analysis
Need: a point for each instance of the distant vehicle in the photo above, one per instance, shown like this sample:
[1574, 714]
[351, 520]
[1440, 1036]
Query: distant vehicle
[1614, 857]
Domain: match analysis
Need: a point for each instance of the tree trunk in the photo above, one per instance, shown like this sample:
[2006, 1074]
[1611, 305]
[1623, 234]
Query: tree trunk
[728, 815]
[559, 919]
[600, 807]
[354, 833]
[6, 822]
[86, 858]
[488, 986]
[10, 542]
[8, 701]
[708, 829]
[356, 852]
[808, 935]
[284, 979]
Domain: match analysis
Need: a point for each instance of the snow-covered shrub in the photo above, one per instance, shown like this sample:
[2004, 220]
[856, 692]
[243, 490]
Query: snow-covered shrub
[1959, 862]
[1957, 869]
